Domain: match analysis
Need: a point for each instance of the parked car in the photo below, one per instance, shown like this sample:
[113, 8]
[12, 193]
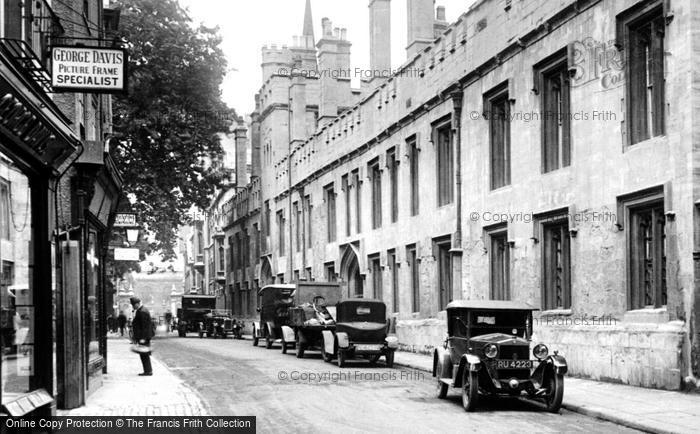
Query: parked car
[361, 331]
[275, 301]
[313, 312]
[487, 352]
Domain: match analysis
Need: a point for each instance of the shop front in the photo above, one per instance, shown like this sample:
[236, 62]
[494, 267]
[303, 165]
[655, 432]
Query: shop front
[36, 148]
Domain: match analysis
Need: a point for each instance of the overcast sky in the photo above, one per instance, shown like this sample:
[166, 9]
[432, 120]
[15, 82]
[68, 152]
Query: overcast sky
[248, 25]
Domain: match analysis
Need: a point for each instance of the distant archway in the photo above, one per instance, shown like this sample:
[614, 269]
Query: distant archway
[350, 273]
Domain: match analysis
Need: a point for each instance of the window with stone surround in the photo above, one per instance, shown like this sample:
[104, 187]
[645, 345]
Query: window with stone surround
[645, 221]
[553, 84]
[556, 262]
[414, 269]
[442, 137]
[329, 269]
[497, 111]
[443, 257]
[499, 262]
[394, 268]
[296, 213]
[357, 185]
[375, 172]
[306, 204]
[392, 163]
[345, 186]
[413, 167]
[329, 194]
[280, 232]
[377, 284]
[4, 209]
[641, 36]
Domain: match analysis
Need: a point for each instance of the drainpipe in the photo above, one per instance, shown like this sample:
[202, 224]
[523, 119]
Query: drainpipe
[456, 250]
[290, 248]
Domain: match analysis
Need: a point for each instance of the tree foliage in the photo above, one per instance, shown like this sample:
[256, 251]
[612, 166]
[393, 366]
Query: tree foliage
[166, 126]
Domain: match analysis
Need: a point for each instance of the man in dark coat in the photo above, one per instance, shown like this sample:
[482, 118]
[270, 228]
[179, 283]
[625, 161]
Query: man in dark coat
[143, 332]
[121, 322]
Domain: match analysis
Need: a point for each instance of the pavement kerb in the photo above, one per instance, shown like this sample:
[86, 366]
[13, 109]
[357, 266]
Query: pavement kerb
[572, 407]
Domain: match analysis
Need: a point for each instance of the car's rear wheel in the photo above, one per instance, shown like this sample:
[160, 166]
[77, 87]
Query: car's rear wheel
[389, 359]
[555, 393]
[342, 357]
[442, 388]
[300, 350]
[284, 346]
[268, 342]
[470, 390]
[255, 338]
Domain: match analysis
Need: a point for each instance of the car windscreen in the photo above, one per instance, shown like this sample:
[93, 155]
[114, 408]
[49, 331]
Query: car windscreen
[487, 321]
[359, 311]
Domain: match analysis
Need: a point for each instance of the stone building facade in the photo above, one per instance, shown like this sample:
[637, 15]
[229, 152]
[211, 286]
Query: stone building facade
[539, 151]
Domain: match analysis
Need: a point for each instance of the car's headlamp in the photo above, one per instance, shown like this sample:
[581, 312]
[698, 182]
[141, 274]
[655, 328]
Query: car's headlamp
[491, 351]
[540, 351]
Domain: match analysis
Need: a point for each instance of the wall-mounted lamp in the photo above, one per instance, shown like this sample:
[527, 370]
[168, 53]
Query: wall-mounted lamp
[132, 236]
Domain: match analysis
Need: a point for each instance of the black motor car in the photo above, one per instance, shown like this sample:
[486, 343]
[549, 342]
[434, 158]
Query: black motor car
[275, 301]
[487, 352]
[361, 330]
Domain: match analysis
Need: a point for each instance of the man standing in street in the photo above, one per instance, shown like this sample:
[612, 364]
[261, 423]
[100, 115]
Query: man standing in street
[121, 322]
[143, 332]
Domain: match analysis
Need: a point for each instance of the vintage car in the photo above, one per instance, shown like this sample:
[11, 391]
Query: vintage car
[487, 352]
[313, 312]
[361, 331]
[218, 323]
[275, 301]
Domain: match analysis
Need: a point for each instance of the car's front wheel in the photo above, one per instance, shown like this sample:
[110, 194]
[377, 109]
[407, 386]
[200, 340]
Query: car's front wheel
[284, 346]
[255, 338]
[342, 357]
[555, 393]
[300, 350]
[470, 390]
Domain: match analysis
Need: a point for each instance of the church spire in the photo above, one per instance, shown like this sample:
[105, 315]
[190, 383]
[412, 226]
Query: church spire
[308, 33]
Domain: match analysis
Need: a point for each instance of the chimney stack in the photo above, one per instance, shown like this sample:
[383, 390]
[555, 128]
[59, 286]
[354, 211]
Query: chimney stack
[334, 61]
[421, 22]
[256, 169]
[440, 22]
[380, 35]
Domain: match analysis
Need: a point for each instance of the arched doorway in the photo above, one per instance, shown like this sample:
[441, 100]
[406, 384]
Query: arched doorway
[350, 273]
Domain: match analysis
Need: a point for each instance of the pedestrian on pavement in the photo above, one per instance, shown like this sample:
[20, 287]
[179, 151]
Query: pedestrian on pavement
[121, 322]
[143, 332]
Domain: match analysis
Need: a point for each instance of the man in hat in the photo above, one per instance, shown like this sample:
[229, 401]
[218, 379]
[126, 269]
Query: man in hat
[143, 332]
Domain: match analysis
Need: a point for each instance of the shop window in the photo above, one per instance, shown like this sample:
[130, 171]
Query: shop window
[17, 308]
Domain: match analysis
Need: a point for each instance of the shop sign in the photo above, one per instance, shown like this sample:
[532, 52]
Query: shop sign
[88, 69]
[122, 254]
[125, 220]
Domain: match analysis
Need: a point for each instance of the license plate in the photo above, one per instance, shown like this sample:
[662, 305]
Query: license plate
[513, 364]
[362, 347]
